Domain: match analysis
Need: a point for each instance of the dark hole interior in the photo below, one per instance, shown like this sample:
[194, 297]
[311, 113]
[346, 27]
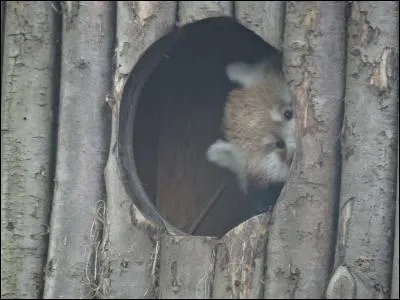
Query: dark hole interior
[178, 117]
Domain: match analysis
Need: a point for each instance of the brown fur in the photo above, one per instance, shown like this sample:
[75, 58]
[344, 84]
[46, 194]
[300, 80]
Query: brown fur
[248, 125]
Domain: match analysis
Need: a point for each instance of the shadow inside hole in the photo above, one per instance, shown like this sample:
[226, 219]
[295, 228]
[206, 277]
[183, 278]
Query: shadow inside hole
[178, 116]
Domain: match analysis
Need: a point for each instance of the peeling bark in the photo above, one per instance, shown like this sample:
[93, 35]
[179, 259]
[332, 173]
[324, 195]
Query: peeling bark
[139, 24]
[27, 120]
[300, 244]
[82, 150]
[139, 259]
[131, 246]
[265, 18]
[239, 269]
[367, 206]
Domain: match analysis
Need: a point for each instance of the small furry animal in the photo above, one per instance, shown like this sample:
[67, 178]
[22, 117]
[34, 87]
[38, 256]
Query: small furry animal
[259, 126]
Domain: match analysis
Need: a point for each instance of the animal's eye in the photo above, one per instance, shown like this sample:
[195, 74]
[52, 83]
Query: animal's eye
[288, 114]
[280, 144]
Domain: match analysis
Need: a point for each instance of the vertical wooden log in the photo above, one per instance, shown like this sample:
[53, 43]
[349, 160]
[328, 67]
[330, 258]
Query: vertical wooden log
[240, 262]
[186, 267]
[29, 86]
[300, 244]
[191, 11]
[130, 250]
[265, 18]
[370, 136]
[3, 8]
[82, 148]
[395, 272]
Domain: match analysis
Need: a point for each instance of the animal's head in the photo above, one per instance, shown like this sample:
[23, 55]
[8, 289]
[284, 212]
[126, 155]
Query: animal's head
[259, 126]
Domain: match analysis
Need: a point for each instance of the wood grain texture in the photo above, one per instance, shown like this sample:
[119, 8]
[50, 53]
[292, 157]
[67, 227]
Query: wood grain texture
[81, 150]
[3, 9]
[29, 85]
[370, 134]
[240, 261]
[186, 267]
[395, 272]
[300, 244]
[265, 18]
[130, 249]
[191, 11]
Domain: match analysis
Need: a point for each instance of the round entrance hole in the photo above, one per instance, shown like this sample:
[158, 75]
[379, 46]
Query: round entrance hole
[171, 112]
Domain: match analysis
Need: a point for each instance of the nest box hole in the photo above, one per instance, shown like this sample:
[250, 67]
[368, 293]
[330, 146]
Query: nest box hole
[178, 116]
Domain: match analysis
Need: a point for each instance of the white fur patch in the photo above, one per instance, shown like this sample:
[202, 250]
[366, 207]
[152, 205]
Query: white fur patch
[276, 115]
[247, 75]
[226, 155]
[274, 168]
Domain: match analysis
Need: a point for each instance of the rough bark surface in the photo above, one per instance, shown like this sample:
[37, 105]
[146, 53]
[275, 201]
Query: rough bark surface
[191, 11]
[265, 18]
[139, 24]
[82, 149]
[3, 6]
[367, 205]
[186, 267]
[300, 243]
[284, 255]
[240, 261]
[395, 273]
[28, 90]
[131, 247]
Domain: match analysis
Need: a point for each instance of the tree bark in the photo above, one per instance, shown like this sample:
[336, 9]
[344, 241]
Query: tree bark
[368, 187]
[300, 244]
[191, 11]
[395, 272]
[29, 86]
[240, 261]
[82, 150]
[131, 247]
[101, 245]
[186, 267]
[265, 18]
[3, 7]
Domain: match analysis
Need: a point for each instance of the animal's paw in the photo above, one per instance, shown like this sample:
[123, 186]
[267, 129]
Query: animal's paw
[225, 155]
[220, 153]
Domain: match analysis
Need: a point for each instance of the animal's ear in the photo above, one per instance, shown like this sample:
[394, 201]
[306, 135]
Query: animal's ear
[246, 75]
[225, 155]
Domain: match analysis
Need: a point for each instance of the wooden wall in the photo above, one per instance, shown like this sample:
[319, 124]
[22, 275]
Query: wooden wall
[70, 230]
